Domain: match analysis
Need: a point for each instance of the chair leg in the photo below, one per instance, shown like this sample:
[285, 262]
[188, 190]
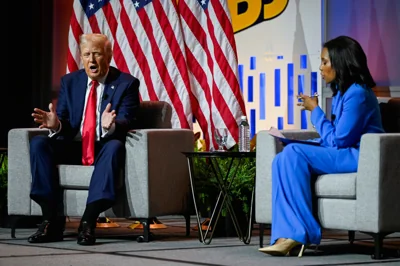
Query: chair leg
[378, 244]
[27, 221]
[147, 236]
[261, 231]
[187, 219]
[352, 235]
[13, 221]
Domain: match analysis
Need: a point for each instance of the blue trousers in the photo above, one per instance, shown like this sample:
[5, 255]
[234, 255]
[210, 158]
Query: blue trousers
[292, 171]
[46, 153]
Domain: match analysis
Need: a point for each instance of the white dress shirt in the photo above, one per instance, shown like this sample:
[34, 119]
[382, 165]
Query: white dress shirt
[99, 94]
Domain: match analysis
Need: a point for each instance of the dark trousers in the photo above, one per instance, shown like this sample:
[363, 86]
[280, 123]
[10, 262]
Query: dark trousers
[46, 153]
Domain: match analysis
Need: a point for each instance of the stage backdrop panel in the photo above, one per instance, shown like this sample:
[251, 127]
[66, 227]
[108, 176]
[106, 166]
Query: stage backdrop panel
[279, 46]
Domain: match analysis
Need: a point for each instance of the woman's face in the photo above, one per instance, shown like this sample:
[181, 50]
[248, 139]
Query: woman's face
[327, 72]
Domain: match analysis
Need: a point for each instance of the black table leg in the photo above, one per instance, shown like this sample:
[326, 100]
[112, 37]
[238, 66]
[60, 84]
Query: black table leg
[224, 199]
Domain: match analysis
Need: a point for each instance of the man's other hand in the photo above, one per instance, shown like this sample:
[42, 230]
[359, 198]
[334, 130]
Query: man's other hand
[108, 117]
[45, 119]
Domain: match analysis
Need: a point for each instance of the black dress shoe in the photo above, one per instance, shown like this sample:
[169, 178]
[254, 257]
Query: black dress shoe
[86, 235]
[47, 232]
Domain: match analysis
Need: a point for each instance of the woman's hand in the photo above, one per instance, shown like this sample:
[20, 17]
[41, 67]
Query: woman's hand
[308, 103]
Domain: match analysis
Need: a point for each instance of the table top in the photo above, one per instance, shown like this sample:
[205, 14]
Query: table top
[221, 154]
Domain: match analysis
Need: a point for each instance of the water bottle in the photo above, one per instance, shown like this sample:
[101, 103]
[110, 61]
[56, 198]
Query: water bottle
[244, 135]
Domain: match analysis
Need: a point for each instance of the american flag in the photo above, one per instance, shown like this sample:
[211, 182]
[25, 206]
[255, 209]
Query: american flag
[149, 42]
[213, 65]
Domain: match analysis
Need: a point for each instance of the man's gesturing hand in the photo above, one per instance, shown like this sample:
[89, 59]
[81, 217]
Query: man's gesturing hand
[108, 117]
[45, 119]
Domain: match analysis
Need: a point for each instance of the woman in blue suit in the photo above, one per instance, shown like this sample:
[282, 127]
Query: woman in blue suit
[355, 111]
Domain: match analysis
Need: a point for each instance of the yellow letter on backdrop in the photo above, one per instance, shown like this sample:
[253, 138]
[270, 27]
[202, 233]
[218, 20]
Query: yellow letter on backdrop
[274, 8]
[247, 18]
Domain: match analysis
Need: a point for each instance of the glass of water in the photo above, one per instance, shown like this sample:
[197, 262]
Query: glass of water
[221, 137]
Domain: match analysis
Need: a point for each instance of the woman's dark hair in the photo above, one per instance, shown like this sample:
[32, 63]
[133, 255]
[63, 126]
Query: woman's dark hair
[350, 64]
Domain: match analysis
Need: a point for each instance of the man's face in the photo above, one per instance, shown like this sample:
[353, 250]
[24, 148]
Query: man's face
[327, 72]
[95, 60]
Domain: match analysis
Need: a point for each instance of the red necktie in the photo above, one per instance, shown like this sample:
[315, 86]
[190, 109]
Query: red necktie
[89, 127]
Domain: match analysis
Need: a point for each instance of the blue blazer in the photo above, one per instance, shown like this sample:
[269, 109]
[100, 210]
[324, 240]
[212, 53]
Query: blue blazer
[121, 90]
[354, 113]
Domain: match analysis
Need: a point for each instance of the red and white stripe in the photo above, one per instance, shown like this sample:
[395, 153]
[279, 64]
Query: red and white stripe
[188, 59]
[104, 21]
[147, 43]
[212, 62]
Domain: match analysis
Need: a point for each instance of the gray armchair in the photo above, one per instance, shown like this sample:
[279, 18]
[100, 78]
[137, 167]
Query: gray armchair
[155, 182]
[365, 201]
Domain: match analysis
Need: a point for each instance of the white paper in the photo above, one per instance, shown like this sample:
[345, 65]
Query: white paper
[273, 131]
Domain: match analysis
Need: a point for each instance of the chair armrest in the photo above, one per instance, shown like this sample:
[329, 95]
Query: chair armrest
[267, 147]
[378, 183]
[157, 170]
[19, 169]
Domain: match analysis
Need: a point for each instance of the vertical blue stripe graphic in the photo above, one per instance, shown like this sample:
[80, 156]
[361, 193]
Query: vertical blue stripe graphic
[250, 85]
[252, 63]
[303, 115]
[300, 85]
[252, 123]
[290, 103]
[262, 96]
[241, 73]
[314, 80]
[280, 123]
[303, 119]
[277, 87]
[303, 61]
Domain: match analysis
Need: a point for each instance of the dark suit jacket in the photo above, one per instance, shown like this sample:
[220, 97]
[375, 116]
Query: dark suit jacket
[121, 90]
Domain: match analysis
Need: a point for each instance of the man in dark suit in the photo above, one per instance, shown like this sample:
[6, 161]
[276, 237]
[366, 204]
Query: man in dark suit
[96, 107]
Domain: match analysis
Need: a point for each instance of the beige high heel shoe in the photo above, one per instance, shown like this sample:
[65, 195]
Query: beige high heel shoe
[283, 248]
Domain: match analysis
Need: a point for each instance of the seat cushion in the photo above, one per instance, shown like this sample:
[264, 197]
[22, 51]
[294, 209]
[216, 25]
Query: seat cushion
[339, 186]
[75, 176]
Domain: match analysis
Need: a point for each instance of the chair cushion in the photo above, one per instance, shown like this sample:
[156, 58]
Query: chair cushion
[75, 176]
[339, 186]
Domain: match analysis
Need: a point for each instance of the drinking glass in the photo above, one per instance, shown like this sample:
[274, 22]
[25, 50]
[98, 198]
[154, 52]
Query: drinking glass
[221, 137]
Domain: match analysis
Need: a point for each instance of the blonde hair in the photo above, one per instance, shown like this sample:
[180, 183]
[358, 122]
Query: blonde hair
[96, 37]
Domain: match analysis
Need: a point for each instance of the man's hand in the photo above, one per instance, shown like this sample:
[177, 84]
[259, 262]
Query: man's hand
[108, 117]
[45, 119]
[308, 103]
